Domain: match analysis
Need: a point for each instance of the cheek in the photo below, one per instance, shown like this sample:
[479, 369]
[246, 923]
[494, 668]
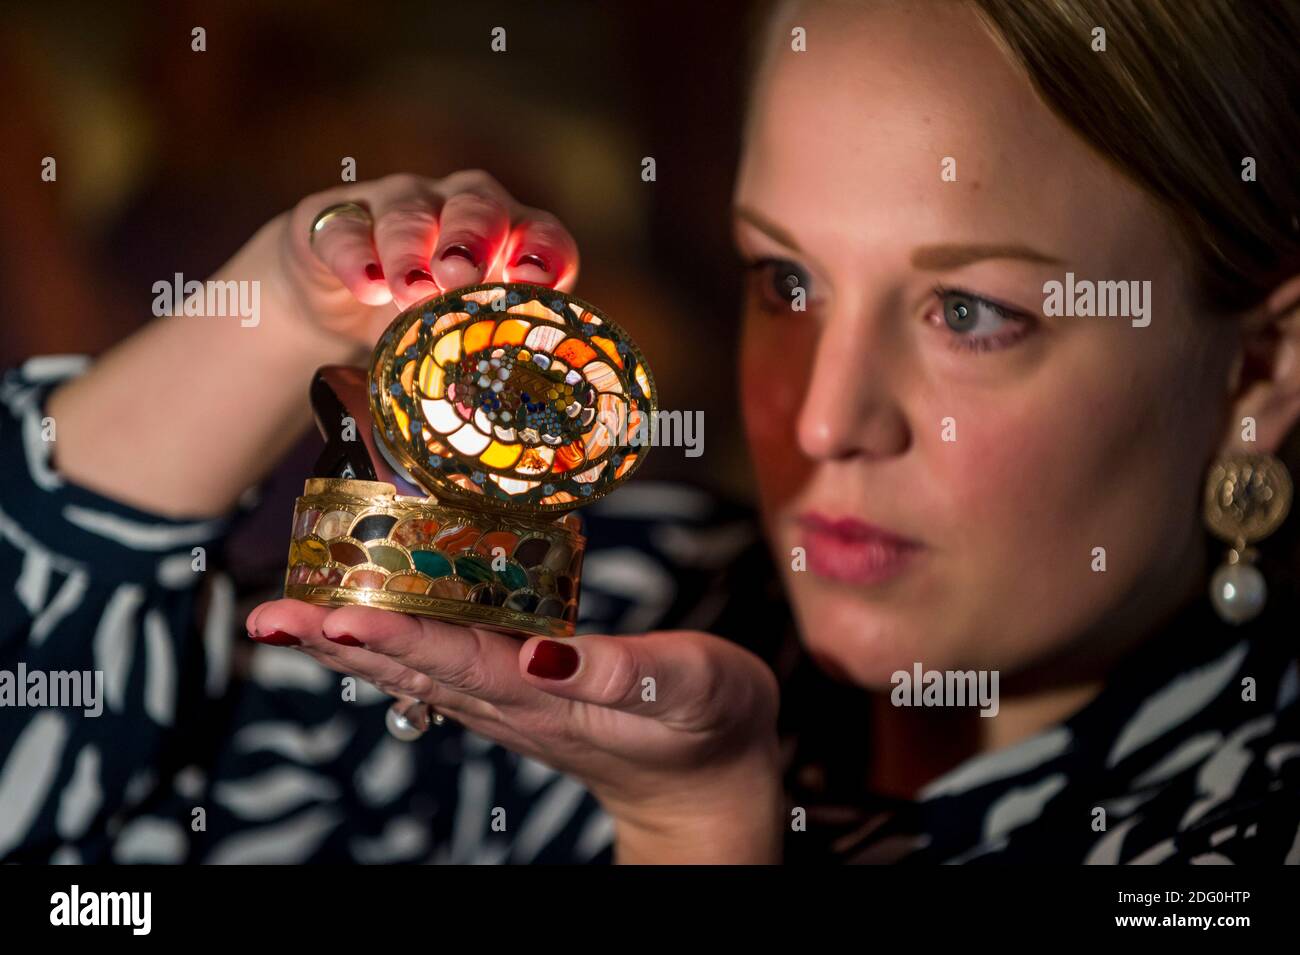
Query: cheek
[1015, 471]
[1040, 477]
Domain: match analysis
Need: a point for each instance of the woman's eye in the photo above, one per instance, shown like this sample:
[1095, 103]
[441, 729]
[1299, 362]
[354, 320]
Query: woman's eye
[975, 323]
[783, 285]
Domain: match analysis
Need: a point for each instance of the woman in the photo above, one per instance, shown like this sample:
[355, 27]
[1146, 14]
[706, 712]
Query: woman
[954, 478]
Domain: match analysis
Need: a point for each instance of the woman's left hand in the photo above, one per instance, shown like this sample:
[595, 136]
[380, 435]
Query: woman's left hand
[673, 732]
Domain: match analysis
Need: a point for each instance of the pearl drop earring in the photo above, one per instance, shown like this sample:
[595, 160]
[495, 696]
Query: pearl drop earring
[1247, 497]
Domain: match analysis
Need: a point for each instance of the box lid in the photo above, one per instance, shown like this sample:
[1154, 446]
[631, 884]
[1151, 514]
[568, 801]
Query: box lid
[512, 397]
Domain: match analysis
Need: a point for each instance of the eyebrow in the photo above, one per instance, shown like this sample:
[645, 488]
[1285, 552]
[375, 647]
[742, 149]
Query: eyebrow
[768, 227]
[931, 257]
[940, 257]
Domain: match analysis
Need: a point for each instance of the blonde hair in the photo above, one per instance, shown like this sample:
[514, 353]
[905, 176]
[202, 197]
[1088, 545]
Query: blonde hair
[1184, 96]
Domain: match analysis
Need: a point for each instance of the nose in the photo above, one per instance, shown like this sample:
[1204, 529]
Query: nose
[850, 405]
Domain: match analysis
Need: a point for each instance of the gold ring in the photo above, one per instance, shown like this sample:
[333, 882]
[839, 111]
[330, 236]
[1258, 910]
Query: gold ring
[344, 210]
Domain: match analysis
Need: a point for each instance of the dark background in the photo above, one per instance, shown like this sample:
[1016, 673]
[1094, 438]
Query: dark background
[169, 159]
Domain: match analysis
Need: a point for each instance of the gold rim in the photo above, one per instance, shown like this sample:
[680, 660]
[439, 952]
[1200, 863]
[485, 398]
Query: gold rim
[449, 611]
[385, 500]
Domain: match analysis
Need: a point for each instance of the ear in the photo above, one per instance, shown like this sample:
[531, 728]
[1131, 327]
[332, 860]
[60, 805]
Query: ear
[1265, 383]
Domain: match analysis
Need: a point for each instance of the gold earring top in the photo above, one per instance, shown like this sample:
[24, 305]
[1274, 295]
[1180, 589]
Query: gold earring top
[1247, 497]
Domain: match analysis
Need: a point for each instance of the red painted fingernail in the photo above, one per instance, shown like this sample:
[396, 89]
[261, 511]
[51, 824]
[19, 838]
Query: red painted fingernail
[553, 660]
[418, 275]
[461, 250]
[534, 260]
[374, 272]
[345, 640]
[277, 638]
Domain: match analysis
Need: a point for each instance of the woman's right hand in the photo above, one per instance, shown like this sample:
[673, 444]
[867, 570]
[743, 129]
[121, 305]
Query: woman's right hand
[426, 236]
[322, 301]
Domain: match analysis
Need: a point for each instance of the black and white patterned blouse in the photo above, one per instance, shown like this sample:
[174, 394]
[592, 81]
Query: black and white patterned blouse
[212, 749]
[1190, 754]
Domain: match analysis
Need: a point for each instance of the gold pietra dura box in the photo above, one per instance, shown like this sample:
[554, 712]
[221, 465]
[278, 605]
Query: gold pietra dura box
[453, 467]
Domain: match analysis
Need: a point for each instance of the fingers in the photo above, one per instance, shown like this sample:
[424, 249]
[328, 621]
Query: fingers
[283, 622]
[469, 660]
[429, 236]
[303, 626]
[541, 251]
[405, 230]
[472, 231]
[346, 248]
[683, 678]
[400, 653]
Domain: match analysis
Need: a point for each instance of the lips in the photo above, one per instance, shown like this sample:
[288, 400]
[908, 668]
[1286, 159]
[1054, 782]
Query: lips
[852, 551]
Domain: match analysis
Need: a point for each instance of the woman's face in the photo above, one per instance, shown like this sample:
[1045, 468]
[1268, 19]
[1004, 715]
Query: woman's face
[950, 484]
